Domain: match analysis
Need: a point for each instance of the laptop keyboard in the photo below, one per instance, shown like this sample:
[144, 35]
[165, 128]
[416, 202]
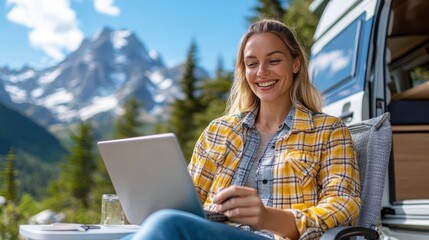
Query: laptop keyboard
[215, 216]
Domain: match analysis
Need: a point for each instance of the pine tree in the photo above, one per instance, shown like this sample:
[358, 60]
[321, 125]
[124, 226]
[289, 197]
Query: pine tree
[10, 178]
[295, 14]
[183, 110]
[304, 22]
[213, 98]
[216, 89]
[268, 9]
[128, 124]
[71, 193]
[81, 164]
[188, 81]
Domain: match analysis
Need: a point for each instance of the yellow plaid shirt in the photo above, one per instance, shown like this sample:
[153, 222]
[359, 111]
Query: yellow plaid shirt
[315, 169]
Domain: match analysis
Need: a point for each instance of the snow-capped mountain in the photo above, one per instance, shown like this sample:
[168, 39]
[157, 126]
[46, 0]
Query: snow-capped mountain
[97, 78]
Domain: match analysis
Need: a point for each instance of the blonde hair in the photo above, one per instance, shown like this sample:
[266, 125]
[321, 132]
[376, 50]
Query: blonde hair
[242, 99]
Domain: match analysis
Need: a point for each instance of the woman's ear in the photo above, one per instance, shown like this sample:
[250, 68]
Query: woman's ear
[296, 65]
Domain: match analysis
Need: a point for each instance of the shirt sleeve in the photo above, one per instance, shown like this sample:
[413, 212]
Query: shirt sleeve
[339, 195]
[201, 168]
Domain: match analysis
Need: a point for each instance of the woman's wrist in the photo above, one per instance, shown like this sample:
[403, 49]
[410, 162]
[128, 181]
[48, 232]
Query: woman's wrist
[280, 222]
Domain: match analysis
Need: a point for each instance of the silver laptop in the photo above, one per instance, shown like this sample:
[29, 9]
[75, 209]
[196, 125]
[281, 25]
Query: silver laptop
[149, 173]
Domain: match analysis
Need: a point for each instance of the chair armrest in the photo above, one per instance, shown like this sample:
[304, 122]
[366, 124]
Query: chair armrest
[345, 232]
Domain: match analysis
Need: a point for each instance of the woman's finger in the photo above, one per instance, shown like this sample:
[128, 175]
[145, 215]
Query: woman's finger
[243, 212]
[232, 191]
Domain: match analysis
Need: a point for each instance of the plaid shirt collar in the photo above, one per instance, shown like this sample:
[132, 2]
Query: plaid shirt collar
[299, 118]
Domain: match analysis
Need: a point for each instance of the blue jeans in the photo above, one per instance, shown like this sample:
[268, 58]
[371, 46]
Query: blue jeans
[175, 224]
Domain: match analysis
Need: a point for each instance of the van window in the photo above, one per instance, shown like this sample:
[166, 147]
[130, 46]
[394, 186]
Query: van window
[419, 74]
[336, 62]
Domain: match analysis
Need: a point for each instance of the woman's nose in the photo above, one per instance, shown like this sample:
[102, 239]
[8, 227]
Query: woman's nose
[263, 70]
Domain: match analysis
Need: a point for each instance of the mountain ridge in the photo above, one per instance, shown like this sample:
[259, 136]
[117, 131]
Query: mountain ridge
[107, 69]
[20, 133]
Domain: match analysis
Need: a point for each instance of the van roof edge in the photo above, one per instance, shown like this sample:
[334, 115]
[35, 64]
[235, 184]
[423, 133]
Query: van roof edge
[317, 6]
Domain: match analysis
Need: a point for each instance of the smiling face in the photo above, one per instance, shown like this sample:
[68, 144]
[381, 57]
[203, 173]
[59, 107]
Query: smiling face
[269, 68]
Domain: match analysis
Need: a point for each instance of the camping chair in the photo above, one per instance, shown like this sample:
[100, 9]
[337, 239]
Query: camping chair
[373, 143]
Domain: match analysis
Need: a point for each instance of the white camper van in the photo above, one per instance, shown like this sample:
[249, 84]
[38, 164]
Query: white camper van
[371, 57]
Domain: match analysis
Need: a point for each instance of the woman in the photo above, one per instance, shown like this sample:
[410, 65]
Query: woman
[274, 165]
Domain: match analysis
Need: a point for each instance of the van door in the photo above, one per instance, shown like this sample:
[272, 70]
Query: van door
[370, 57]
[402, 60]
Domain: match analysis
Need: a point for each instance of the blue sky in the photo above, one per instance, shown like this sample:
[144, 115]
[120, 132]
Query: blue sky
[40, 33]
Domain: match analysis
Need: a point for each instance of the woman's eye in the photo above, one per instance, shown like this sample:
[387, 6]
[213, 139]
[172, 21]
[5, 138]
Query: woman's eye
[250, 64]
[275, 61]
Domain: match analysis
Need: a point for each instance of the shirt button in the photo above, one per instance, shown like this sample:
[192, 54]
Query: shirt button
[264, 181]
[272, 146]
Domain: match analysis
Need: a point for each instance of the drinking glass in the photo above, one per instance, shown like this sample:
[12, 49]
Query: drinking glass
[111, 210]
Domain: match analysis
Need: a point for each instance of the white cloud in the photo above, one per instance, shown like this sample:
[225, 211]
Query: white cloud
[333, 61]
[106, 7]
[53, 24]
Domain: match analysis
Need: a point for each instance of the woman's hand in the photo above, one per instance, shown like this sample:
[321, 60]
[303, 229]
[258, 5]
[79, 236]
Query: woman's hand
[241, 205]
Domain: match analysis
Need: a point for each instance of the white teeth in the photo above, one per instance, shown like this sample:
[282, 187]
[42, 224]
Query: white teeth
[266, 84]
